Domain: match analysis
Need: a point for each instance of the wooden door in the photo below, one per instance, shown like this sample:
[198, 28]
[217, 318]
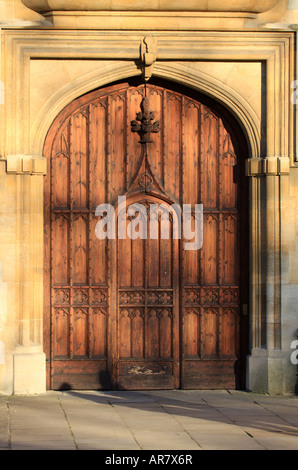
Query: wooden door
[147, 310]
[144, 313]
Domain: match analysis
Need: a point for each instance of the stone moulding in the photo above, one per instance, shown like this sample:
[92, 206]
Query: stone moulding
[147, 20]
[26, 164]
[275, 50]
[250, 6]
[267, 166]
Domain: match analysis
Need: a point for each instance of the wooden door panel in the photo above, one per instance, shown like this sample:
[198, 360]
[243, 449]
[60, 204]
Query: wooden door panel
[80, 375]
[143, 313]
[117, 143]
[191, 115]
[97, 153]
[98, 257]
[210, 374]
[209, 160]
[61, 338]
[134, 99]
[146, 309]
[173, 138]
[152, 376]
[210, 252]
[79, 249]
[61, 182]
[98, 333]
[157, 145]
[79, 159]
[60, 259]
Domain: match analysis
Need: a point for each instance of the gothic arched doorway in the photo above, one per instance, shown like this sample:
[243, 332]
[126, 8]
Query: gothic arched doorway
[145, 313]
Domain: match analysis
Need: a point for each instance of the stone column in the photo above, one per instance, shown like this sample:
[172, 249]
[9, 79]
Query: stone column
[24, 348]
[268, 366]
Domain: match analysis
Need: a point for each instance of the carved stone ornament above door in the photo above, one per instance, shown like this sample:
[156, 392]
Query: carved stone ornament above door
[251, 6]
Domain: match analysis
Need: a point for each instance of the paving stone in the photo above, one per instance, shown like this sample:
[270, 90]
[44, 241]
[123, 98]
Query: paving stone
[43, 445]
[107, 444]
[274, 441]
[166, 441]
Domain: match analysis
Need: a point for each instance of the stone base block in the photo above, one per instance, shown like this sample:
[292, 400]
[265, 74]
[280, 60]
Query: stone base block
[29, 373]
[271, 372]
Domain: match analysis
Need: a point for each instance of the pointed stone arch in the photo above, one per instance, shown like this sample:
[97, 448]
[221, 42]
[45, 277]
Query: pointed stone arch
[236, 104]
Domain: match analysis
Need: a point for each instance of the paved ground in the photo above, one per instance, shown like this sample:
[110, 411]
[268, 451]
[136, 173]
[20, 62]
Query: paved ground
[159, 420]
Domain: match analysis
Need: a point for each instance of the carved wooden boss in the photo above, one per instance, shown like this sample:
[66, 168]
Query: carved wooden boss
[145, 125]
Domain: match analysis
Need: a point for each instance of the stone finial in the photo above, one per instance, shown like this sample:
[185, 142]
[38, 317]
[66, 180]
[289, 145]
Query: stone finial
[148, 55]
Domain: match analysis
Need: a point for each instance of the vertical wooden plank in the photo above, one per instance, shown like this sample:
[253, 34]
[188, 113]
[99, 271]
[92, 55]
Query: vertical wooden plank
[230, 249]
[98, 259]
[137, 334]
[80, 333]
[166, 333]
[210, 192]
[228, 337]
[153, 261]
[117, 145]
[137, 262]
[60, 171]
[79, 249]
[97, 153]
[228, 161]
[152, 341]
[173, 136]
[166, 267]
[191, 261]
[156, 155]
[60, 249]
[124, 261]
[61, 344]
[210, 329]
[191, 149]
[210, 250]
[125, 334]
[191, 333]
[99, 336]
[134, 99]
[166, 257]
[79, 152]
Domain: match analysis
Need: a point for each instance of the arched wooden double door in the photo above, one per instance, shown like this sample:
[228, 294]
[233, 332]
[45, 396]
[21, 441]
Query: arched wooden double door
[143, 312]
